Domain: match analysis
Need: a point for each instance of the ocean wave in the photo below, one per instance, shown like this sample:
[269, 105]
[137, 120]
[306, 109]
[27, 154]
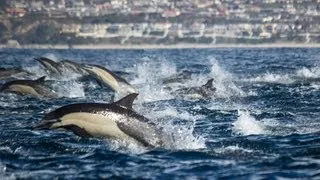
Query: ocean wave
[273, 78]
[247, 124]
[71, 89]
[301, 75]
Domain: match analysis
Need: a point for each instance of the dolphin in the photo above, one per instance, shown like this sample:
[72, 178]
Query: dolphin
[51, 66]
[178, 78]
[6, 73]
[73, 67]
[116, 121]
[34, 88]
[205, 91]
[108, 78]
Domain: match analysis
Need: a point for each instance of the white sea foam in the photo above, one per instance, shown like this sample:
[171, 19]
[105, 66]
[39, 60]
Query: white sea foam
[301, 74]
[301, 125]
[224, 81]
[124, 146]
[149, 74]
[179, 136]
[69, 75]
[51, 56]
[69, 89]
[230, 149]
[176, 135]
[309, 72]
[247, 124]
[315, 86]
[273, 78]
[37, 70]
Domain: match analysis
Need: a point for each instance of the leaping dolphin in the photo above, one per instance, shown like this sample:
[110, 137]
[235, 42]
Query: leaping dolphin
[108, 78]
[114, 121]
[178, 78]
[34, 88]
[205, 91]
[72, 66]
[52, 67]
[6, 73]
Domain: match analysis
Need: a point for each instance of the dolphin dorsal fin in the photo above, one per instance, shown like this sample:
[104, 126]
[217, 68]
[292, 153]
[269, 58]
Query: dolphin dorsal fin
[209, 83]
[41, 79]
[127, 101]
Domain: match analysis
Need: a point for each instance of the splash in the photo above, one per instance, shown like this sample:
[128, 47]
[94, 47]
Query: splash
[71, 89]
[299, 75]
[233, 149]
[315, 86]
[36, 70]
[148, 79]
[51, 56]
[68, 75]
[182, 137]
[273, 78]
[224, 83]
[309, 73]
[247, 124]
[178, 127]
[176, 136]
[301, 125]
[125, 147]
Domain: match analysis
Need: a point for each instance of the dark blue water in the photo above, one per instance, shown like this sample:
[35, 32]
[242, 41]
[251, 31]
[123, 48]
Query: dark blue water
[263, 122]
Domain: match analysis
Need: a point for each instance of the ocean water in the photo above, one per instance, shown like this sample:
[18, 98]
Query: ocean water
[263, 122]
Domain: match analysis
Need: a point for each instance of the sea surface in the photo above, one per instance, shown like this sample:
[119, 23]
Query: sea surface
[263, 122]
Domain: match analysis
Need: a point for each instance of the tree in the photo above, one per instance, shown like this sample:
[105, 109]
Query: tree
[3, 5]
[3, 31]
[45, 32]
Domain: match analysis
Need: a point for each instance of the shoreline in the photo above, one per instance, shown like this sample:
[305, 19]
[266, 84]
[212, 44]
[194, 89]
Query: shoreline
[161, 46]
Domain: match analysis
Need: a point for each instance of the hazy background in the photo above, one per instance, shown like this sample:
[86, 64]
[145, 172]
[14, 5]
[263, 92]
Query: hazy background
[167, 22]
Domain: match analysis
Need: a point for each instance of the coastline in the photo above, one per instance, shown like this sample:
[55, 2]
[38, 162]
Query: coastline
[162, 46]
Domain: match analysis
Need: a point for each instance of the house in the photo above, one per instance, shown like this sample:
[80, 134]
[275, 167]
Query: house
[203, 3]
[87, 30]
[112, 30]
[70, 28]
[138, 29]
[159, 29]
[16, 12]
[194, 30]
[36, 5]
[171, 13]
[265, 35]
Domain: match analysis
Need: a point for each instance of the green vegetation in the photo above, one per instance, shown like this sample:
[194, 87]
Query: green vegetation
[3, 32]
[43, 34]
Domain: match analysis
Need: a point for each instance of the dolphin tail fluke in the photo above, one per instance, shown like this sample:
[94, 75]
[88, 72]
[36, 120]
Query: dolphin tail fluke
[127, 101]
